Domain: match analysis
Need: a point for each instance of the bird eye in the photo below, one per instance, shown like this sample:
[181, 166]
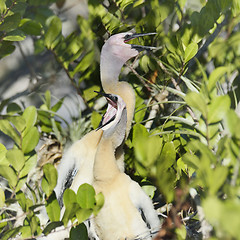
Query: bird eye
[115, 98]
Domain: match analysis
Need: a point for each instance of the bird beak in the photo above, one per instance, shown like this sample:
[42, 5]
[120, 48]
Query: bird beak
[139, 48]
[110, 114]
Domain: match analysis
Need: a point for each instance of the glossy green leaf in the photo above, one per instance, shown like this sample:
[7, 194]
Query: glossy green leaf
[18, 122]
[15, 35]
[231, 121]
[54, 30]
[83, 214]
[70, 212]
[21, 198]
[139, 131]
[9, 130]
[218, 108]
[51, 226]
[79, 232]
[30, 116]
[99, 203]
[167, 157]
[86, 196]
[30, 140]
[9, 175]
[53, 208]
[3, 151]
[95, 119]
[10, 23]
[16, 159]
[49, 180]
[147, 149]
[196, 100]
[2, 198]
[13, 108]
[190, 51]
[30, 27]
[69, 197]
[30, 162]
[215, 76]
[90, 93]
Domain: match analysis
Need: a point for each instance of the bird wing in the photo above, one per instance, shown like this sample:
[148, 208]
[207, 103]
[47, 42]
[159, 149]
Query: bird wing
[141, 201]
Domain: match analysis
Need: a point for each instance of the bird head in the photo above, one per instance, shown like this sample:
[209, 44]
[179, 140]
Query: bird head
[114, 121]
[117, 47]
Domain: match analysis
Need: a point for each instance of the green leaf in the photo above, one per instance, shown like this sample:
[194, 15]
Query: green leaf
[6, 48]
[147, 149]
[21, 198]
[13, 108]
[139, 131]
[30, 27]
[15, 35]
[83, 214]
[196, 100]
[215, 76]
[53, 32]
[49, 180]
[30, 140]
[53, 208]
[9, 130]
[51, 226]
[70, 212]
[9, 175]
[231, 121]
[2, 198]
[167, 157]
[218, 108]
[10, 22]
[18, 122]
[99, 198]
[3, 151]
[90, 93]
[79, 232]
[30, 162]
[95, 119]
[190, 51]
[30, 116]
[86, 196]
[16, 158]
[69, 197]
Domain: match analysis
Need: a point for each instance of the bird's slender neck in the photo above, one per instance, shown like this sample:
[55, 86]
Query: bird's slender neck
[110, 68]
[105, 166]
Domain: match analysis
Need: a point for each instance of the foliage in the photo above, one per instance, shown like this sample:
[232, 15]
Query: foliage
[185, 134]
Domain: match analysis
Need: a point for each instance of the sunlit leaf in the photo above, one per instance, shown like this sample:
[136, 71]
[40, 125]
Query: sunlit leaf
[2, 198]
[16, 159]
[49, 180]
[53, 208]
[86, 196]
[30, 116]
[190, 51]
[53, 31]
[30, 140]
[9, 175]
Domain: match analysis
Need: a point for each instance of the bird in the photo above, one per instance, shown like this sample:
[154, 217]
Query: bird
[76, 166]
[124, 200]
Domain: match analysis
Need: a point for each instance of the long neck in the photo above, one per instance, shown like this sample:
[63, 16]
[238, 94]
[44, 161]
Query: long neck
[105, 167]
[110, 68]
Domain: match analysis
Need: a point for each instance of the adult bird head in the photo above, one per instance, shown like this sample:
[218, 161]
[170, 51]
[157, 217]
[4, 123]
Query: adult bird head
[117, 47]
[114, 121]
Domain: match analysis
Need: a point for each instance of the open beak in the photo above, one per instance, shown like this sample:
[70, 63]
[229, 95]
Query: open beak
[139, 48]
[111, 112]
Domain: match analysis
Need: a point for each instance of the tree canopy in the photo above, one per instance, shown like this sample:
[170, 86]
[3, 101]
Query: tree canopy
[184, 145]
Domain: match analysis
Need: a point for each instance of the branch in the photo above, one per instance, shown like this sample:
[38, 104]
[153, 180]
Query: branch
[209, 41]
